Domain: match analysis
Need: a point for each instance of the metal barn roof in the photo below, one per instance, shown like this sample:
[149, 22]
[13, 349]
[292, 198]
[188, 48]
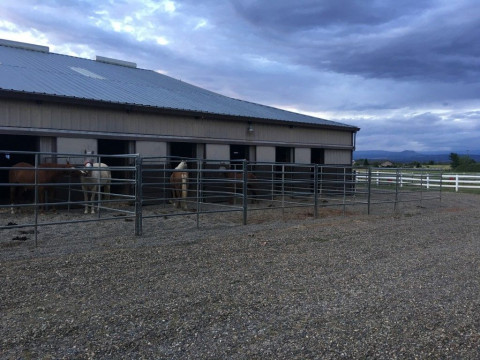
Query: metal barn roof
[32, 69]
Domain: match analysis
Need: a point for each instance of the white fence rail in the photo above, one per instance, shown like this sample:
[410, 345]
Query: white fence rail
[461, 181]
[422, 178]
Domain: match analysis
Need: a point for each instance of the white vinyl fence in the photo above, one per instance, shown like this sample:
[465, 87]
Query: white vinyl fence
[461, 181]
[421, 178]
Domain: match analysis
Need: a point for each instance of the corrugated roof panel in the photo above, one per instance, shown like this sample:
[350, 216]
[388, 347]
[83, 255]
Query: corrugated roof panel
[67, 76]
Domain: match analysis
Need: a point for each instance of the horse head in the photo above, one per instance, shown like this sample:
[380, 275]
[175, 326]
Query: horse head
[87, 165]
[71, 169]
[224, 166]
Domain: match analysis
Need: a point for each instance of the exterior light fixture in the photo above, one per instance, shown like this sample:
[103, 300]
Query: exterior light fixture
[250, 127]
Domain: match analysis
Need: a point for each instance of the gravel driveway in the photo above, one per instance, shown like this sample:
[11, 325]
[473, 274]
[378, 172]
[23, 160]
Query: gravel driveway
[385, 286]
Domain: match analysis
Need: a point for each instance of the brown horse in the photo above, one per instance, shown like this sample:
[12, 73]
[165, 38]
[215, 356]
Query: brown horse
[179, 182]
[47, 174]
[236, 179]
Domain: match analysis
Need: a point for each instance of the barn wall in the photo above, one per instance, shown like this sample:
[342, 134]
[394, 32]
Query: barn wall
[201, 151]
[217, 151]
[252, 152]
[151, 148]
[302, 155]
[49, 145]
[136, 125]
[266, 153]
[338, 157]
[76, 146]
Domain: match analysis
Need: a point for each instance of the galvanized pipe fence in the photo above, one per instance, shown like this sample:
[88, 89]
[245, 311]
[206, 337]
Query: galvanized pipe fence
[212, 187]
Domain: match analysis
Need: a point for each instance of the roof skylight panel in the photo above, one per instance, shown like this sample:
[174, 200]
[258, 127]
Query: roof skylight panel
[87, 73]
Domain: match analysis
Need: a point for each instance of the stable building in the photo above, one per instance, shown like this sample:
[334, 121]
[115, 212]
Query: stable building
[57, 103]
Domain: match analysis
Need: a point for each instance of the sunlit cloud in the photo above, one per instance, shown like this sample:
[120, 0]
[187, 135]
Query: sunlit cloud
[169, 6]
[201, 24]
[162, 40]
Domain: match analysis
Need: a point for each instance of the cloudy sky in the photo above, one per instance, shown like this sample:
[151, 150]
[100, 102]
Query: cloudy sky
[407, 72]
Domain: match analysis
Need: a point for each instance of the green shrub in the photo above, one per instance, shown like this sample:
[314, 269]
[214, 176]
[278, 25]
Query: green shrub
[472, 167]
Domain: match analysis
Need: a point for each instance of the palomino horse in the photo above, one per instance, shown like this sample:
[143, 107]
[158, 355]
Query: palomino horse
[179, 182]
[236, 179]
[46, 175]
[92, 182]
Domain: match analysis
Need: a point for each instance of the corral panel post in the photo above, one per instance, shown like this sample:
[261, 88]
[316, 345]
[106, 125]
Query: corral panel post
[421, 186]
[397, 175]
[245, 195]
[283, 190]
[320, 181]
[441, 184]
[344, 191]
[98, 203]
[138, 195]
[315, 191]
[369, 190]
[199, 190]
[274, 175]
[36, 198]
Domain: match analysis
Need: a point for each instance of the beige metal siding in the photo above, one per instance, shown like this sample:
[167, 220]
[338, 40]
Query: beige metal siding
[84, 119]
[152, 148]
[302, 155]
[217, 151]
[76, 146]
[338, 157]
[47, 144]
[266, 153]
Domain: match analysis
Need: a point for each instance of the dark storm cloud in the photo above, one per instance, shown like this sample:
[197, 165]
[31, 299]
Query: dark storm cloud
[286, 16]
[380, 39]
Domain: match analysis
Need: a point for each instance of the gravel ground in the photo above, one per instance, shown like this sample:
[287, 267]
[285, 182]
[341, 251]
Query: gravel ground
[384, 286]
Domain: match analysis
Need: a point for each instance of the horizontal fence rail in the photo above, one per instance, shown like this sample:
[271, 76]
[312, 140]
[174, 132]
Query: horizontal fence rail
[461, 181]
[185, 186]
[427, 178]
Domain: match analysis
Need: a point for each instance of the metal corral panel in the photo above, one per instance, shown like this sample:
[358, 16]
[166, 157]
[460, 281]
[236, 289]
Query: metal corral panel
[67, 77]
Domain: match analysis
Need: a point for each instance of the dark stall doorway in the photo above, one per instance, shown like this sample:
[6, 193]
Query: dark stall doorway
[14, 143]
[181, 150]
[283, 154]
[318, 156]
[239, 152]
[117, 147]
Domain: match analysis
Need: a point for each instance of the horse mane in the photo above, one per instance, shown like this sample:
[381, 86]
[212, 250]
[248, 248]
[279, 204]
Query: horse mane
[182, 165]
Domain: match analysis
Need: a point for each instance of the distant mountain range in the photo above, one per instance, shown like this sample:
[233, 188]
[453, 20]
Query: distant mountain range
[409, 156]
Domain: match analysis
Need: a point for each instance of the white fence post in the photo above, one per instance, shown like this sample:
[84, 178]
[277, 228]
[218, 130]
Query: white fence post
[456, 182]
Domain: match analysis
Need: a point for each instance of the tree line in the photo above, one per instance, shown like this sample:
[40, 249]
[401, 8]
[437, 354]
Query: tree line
[458, 163]
[463, 163]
